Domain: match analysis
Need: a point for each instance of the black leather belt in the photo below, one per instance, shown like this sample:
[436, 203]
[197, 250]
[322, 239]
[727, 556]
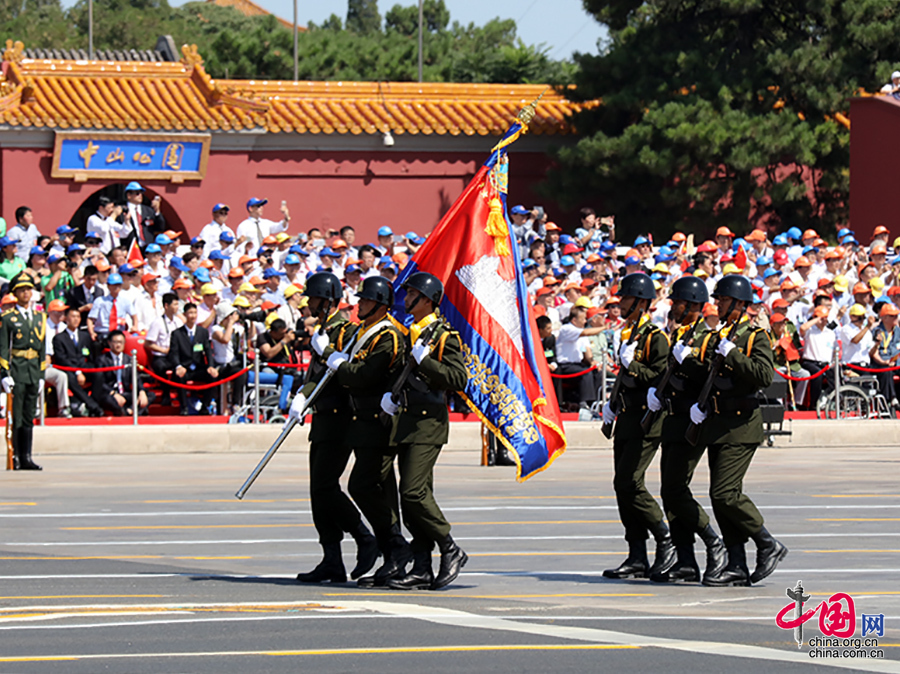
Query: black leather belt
[679, 405]
[730, 405]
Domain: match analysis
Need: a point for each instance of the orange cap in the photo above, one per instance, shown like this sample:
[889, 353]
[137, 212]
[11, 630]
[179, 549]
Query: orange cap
[8, 298]
[724, 231]
[860, 288]
[880, 229]
[809, 234]
[824, 282]
[246, 258]
[593, 257]
[102, 265]
[821, 312]
[338, 243]
[57, 305]
[172, 234]
[236, 272]
[550, 281]
[257, 281]
[679, 237]
[780, 303]
[879, 249]
[182, 283]
[756, 235]
[206, 264]
[146, 278]
[543, 291]
[710, 310]
[778, 318]
[802, 261]
[270, 241]
[787, 284]
[893, 290]
[834, 254]
[552, 227]
[889, 310]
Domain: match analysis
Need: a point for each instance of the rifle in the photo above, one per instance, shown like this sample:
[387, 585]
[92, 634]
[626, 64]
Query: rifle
[10, 452]
[408, 369]
[650, 417]
[692, 434]
[607, 429]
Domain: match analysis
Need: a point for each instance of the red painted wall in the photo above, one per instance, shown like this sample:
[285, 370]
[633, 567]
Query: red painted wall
[874, 166]
[405, 190]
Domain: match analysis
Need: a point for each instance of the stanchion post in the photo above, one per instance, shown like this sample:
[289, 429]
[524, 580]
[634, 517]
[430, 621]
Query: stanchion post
[134, 387]
[603, 380]
[256, 386]
[42, 399]
[837, 379]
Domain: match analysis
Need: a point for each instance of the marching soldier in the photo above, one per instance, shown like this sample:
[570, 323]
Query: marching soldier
[367, 358]
[421, 427]
[679, 458]
[732, 429]
[329, 449]
[22, 364]
[643, 354]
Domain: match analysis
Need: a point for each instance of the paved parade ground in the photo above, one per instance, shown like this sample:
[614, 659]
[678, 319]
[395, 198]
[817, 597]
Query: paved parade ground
[143, 563]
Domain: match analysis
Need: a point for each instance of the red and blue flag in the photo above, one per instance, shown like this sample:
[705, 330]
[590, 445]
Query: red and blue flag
[475, 255]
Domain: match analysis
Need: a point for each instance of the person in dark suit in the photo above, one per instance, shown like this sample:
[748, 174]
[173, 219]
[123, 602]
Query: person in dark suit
[82, 296]
[72, 348]
[112, 390]
[191, 356]
[145, 221]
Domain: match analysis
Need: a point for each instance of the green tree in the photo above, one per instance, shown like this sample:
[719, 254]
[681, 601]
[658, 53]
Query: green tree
[710, 107]
[363, 16]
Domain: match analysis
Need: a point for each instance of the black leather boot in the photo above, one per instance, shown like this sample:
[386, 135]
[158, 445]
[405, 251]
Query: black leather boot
[397, 555]
[634, 566]
[23, 449]
[367, 551]
[769, 552]
[329, 570]
[716, 557]
[735, 574]
[453, 559]
[420, 577]
[665, 557]
[685, 570]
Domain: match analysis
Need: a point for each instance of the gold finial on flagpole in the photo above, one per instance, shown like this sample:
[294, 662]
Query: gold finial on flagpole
[527, 113]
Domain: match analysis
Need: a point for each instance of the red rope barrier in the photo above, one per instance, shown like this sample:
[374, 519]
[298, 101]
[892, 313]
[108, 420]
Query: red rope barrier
[573, 374]
[292, 366]
[194, 387]
[860, 368]
[112, 368]
[813, 376]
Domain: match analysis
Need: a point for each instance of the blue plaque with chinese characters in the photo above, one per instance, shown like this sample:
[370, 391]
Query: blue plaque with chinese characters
[83, 155]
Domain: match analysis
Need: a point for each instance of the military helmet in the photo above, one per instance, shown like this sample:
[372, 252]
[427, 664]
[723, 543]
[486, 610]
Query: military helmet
[21, 280]
[737, 287]
[689, 289]
[637, 285]
[427, 284]
[378, 289]
[325, 285]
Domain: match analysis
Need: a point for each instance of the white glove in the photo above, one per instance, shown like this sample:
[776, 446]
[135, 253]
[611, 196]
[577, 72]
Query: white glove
[652, 401]
[319, 342]
[336, 359]
[388, 405]
[8, 384]
[420, 351]
[297, 406]
[724, 347]
[40, 386]
[626, 354]
[681, 351]
[608, 415]
[698, 416]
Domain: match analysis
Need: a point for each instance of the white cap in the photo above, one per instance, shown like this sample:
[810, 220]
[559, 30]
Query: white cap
[895, 74]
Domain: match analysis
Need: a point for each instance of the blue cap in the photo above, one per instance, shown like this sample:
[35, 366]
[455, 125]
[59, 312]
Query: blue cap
[894, 260]
[607, 246]
[385, 259]
[126, 269]
[297, 249]
[559, 271]
[763, 260]
[6, 241]
[292, 258]
[810, 249]
[519, 210]
[632, 261]
[133, 187]
[93, 236]
[842, 232]
[771, 272]
[795, 233]
[114, 280]
[54, 258]
[567, 261]
[352, 269]
[780, 240]
[270, 272]
[197, 241]
[227, 237]
[566, 239]
[640, 240]
[385, 231]
[75, 248]
[201, 275]
[36, 250]
[179, 264]
[656, 276]
[321, 267]
[162, 240]
[218, 255]
[263, 250]
[740, 243]
[849, 239]
[412, 235]
[220, 207]
[391, 267]
[65, 229]
[256, 202]
[418, 241]
[528, 263]
[152, 248]
[327, 252]
[586, 269]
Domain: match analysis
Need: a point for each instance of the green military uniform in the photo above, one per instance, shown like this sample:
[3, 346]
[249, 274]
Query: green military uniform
[734, 427]
[679, 458]
[632, 449]
[329, 449]
[420, 430]
[373, 484]
[23, 357]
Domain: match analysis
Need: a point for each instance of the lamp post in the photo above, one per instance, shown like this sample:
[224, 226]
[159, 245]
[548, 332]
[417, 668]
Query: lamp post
[296, 54]
[420, 39]
[91, 30]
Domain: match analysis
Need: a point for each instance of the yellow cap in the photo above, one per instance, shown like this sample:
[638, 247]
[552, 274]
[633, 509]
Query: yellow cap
[877, 285]
[699, 273]
[583, 302]
[248, 288]
[730, 268]
[241, 301]
[657, 285]
[304, 302]
[662, 268]
[841, 284]
[857, 310]
[271, 318]
[281, 237]
[290, 291]
[208, 289]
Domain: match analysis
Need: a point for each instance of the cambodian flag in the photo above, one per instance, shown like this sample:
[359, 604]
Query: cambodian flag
[473, 252]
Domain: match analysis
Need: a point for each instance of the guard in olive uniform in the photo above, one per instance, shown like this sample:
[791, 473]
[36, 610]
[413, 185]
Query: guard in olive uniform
[643, 354]
[420, 428]
[732, 429]
[679, 458]
[329, 449]
[22, 365]
[373, 354]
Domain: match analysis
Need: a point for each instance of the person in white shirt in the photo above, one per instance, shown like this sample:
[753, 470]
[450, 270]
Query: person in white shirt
[893, 86]
[225, 336]
[256, 228]
[158, 337]
[206, 309]
[818, 348]
[573, 354]
[24, 232]
[856, 337]
[103, 223]
[148, 303]
[212, 233]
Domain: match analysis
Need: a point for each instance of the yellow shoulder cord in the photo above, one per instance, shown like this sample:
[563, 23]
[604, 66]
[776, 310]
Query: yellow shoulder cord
[415, 330]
